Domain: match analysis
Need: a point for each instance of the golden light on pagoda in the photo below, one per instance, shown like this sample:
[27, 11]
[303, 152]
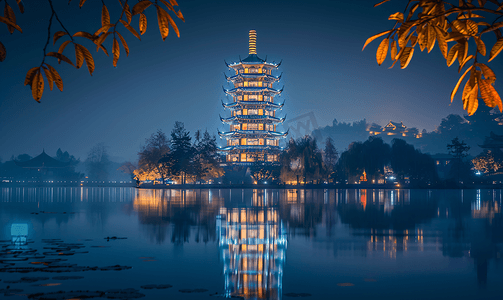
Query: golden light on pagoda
[252, 42]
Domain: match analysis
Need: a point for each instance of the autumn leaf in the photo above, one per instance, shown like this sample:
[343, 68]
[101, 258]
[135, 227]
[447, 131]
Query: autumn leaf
[103, 29]
[9, 14]
[487, 72]
[55, 76]
[471, 103]
[87, 35]
[442, 44]
[29, 75]
[453, 54]
[82, 3]
[455, 90]
[131, 29]
[162, 18]
[79, 56]
[462, 51]
[48, 75]
[10, 23]
[498, 46]
[398, 16]
[173, 25]
[124, 44]
[370, 39]
[63, 46]
[140, 7]
[128, 13]
[116, 51]
[481, 47]
[143, 23]
[20, 5]
[461, 65]
[105, 16]
[57, 35]
[61, 57]
[393, 50]
[489, 94]
[406, 57]
[100, 41]
[3, 52]
[87, 56]
[431, 38]
[382, 51]
[37, 86]
[377, 4]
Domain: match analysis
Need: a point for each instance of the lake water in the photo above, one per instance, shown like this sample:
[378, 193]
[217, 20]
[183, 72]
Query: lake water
[255, 244]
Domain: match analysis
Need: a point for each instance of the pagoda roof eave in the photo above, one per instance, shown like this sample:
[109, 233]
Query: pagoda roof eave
[252, 89]
[259, 103]
[252, 75]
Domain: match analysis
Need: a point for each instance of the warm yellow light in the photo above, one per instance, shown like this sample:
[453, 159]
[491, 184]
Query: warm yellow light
[252, 42]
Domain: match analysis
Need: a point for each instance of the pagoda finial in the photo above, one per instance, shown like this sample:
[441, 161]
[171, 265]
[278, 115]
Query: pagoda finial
[252, 44]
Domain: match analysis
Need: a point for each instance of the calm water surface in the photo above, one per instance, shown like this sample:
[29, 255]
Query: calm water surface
[257, 244]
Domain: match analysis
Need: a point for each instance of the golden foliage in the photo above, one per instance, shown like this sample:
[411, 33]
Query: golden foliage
[382, 51]
[34, 76]
[427, 23]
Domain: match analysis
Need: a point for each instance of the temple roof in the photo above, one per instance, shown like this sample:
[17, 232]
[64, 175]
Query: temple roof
[42, 161]
[253, 59]
[253, 117]
[240, 103]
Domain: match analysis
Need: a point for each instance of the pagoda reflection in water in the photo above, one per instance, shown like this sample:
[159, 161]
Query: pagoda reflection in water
[253, 243]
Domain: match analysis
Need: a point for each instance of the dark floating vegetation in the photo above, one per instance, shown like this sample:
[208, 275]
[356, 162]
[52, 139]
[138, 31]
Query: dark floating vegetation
[28, 280]
[129, 293]
[156, 286]
[108, 238]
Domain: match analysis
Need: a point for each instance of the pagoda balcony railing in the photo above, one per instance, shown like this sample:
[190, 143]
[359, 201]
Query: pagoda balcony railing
[252, 104]
[251, 133]
[252, 148]
[247, 118]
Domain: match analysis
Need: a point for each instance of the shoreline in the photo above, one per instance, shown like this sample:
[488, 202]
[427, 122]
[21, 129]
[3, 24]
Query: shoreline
[262, 186]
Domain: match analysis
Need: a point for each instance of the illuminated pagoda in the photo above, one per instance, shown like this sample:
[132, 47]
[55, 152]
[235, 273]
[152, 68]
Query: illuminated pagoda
[252, 135]
[253, 243]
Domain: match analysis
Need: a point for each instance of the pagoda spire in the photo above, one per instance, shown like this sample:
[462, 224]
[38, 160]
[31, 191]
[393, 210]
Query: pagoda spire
[252, 42]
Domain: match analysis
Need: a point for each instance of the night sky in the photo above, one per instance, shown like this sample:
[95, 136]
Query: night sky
[181, 79]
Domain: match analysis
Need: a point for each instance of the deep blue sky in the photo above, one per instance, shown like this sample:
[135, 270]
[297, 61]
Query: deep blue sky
[324, 71]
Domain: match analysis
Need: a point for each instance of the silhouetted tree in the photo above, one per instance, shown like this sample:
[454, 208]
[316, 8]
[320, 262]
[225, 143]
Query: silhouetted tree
[156, 147]
[330, 157]
[182, 152]
[458, 150]
[97, 162]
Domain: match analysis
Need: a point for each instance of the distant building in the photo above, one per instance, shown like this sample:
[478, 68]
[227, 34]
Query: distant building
[44, 166]
[252, 135]
[395, 128]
